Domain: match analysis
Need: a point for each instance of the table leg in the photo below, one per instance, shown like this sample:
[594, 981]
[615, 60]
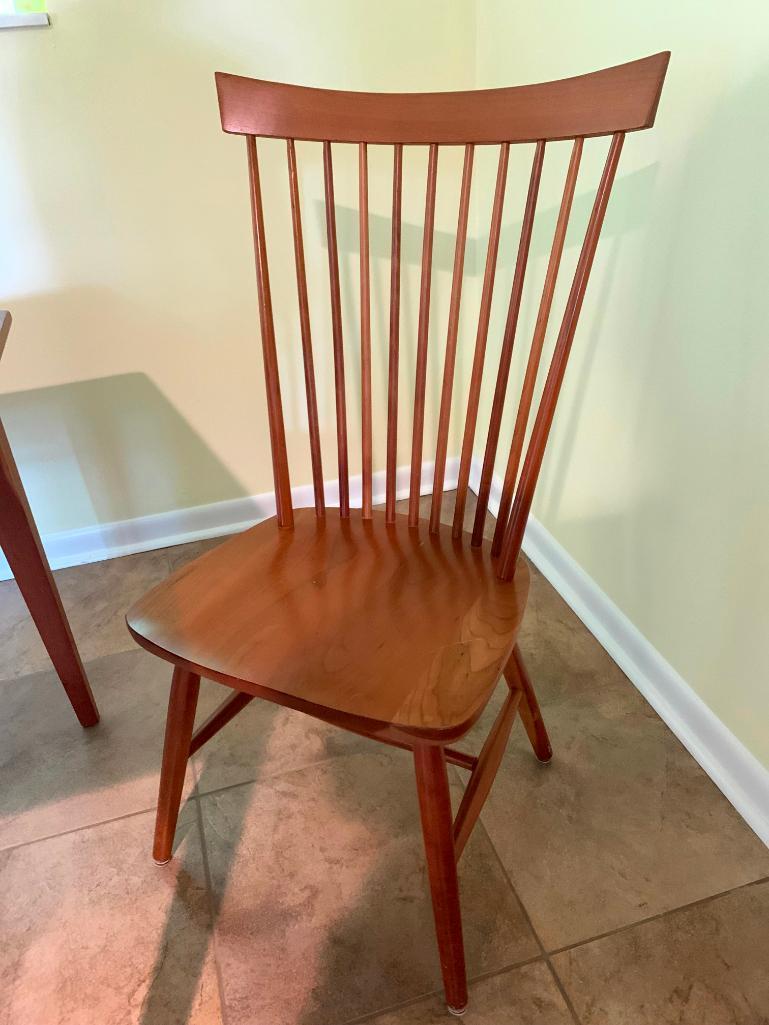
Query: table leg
[21, 544]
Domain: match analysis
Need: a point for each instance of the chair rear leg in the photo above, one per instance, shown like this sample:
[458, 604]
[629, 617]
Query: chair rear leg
[181, 717]
[518, 677]
[437, 828]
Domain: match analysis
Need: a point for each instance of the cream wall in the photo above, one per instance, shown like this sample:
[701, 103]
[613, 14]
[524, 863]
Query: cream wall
[657, 481]
[133, 375]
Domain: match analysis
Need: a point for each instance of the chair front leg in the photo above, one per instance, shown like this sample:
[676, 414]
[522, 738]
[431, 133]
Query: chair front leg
[181, 717]
[437, 828]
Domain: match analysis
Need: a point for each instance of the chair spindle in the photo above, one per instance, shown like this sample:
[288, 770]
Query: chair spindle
[451, 342]
[336, 328]
[422, 339]
[479, 355]
[283, 504]
[536, 450]
[304, 327]
[395, 308]
[538, 339]
[506, 354]
[365, 332]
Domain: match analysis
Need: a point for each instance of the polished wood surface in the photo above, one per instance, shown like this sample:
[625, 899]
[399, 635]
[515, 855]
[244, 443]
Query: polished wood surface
[379, 623]
[450, 357]
[517, 677]
[389, 624]
[219, 718]
[508, 340]
[476, 377]
[304, 328]
[367, 461]
[336, 332]
[536, 451]
[271, 378]
[20, 542]
[622, 98]
[394, 355]
[437, 828]
[479, 785]
[537, 343]
[182, 703]
[420, 375]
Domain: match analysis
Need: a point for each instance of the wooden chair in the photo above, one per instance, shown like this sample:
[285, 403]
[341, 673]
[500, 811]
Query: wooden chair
[376, 622]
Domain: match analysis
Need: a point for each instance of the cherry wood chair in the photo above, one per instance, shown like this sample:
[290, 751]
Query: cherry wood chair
[22, 547]
[374, 621]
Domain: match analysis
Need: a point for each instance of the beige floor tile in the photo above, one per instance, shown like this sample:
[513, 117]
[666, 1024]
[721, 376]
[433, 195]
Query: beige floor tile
[96, 598]
[447, 510]
[266, 739]
[179, 555]
[623, 824]
[95, 934]
[54, 775]
[324, 911]
[705, 965]
[527, 995]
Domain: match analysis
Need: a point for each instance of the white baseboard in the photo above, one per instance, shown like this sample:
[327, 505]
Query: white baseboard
[737, 773]
[742, 779]
[179, 526]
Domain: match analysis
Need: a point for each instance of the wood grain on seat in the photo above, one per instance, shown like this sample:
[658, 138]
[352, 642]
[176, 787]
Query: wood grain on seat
[389, 623]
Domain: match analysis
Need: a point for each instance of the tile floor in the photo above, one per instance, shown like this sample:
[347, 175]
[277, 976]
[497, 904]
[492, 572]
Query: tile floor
[615, 886]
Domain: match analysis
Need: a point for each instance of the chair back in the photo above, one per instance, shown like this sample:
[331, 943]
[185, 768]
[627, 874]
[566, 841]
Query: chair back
[611, 103]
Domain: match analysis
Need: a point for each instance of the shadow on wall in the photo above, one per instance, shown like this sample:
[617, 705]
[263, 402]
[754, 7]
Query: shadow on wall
[110, 448]
[155, 280]
[380, 250]
[631, 206]
[631, 203]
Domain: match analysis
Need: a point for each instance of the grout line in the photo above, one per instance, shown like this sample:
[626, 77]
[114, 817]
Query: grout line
[99, 822]
[545, 955]
[267, 777]
[438, 993]
[279, 773]
[211, 911]
[511, 967]
[662, 914]
[392, 1007]
[562, 990]
[80, 829]
[47, 667]
[195, 793]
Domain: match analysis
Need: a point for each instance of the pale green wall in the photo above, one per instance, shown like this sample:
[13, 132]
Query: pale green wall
[658, 477]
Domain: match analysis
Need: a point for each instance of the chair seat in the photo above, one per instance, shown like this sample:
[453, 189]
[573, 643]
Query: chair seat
[385, 623]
